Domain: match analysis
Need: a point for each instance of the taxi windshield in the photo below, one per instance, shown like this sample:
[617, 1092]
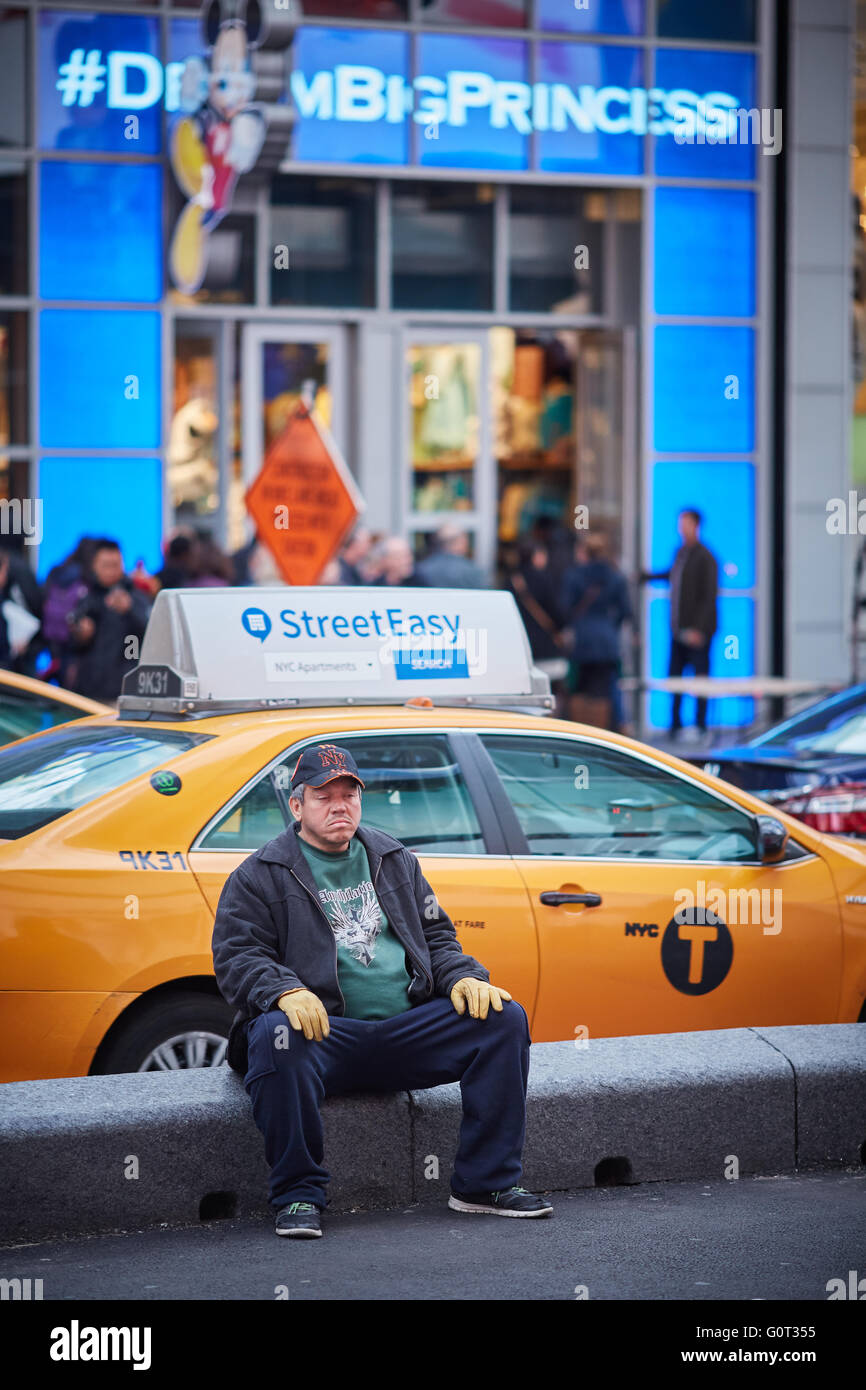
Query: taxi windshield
[52, 775]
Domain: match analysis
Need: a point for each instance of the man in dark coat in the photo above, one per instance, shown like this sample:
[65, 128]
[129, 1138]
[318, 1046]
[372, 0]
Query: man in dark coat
[18, 584]
[101, 624]
[347, 975]
[694, 587]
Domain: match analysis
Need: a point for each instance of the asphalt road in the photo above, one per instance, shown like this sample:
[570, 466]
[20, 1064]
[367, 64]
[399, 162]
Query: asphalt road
[772, 1238]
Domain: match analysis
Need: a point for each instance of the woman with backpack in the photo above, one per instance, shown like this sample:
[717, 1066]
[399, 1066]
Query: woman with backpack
[65, 585]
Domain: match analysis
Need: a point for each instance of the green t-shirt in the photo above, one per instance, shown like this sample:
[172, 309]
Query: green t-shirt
[371, 962]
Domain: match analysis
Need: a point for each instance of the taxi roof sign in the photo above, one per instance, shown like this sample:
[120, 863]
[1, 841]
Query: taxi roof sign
[211, 650]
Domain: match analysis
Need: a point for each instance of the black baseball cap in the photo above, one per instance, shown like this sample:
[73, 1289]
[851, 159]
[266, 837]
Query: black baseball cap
[322, 763]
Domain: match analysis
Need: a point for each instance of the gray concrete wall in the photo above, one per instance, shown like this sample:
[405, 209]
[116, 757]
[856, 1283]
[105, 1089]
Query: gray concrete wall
[88, 1154]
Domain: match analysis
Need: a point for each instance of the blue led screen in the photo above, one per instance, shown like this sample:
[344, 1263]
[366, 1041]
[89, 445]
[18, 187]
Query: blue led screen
[100, 231]
[121, 498]
[598, 17]
[731, 654]
[589, 86]
[704, 389]
[99, 379]
[484, 97]
[100, 82]
[712, 231]
[347, 111]
[727, 78]
[724, 493]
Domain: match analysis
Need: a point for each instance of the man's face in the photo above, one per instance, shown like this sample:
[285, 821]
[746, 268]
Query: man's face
[108, 567]
[330, 814]
[688, 527]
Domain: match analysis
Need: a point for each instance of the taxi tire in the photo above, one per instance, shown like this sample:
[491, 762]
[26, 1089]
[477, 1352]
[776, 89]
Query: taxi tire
[163, 1019]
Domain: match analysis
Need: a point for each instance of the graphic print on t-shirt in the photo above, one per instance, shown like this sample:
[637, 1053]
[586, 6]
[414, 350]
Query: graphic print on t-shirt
[355, 917]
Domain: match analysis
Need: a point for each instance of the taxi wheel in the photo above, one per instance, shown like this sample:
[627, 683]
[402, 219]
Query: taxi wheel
[175, 1033]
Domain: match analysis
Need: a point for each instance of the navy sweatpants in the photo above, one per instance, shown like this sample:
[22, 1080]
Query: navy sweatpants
[288, 1075]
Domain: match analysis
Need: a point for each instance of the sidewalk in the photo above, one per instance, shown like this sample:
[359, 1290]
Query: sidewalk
[91, 1154]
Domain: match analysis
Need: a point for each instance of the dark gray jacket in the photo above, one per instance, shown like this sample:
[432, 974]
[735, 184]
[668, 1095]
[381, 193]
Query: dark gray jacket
[271, 933]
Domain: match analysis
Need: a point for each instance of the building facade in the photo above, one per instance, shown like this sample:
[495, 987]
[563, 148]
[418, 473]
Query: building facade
[525, 258]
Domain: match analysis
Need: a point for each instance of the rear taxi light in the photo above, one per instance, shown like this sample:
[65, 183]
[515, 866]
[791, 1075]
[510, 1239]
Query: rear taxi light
[834, 810]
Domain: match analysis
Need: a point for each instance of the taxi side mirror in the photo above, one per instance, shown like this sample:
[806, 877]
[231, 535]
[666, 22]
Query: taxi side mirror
[772, 837]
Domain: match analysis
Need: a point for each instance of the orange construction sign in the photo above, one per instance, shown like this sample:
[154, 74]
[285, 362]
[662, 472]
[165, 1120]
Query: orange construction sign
[304, 501]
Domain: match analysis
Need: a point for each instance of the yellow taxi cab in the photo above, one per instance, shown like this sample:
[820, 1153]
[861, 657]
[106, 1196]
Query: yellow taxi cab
[28, 705]
[611, 888]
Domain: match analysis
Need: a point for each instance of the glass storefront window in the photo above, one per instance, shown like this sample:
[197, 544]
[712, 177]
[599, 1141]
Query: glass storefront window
[444, 386]
[627, 227]
[13, 228]
[555, 243]
[193, 455]
[323, 241]
[533, 376]
[13, 378]
[733, 22]
[442, 244]
[13, 77]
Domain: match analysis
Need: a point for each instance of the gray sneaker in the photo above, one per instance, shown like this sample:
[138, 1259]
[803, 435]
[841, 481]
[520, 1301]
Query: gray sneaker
[299, 1219]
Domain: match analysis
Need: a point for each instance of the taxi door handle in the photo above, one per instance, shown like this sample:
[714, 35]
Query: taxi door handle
[557, 899]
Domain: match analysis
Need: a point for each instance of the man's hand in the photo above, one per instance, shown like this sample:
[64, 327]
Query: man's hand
[305, 1010]
[119, 600]
[693, 637]
[84, 629]
[479, 995]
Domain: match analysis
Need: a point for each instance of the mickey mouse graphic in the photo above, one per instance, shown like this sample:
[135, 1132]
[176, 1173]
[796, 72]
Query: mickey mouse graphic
[220, 135]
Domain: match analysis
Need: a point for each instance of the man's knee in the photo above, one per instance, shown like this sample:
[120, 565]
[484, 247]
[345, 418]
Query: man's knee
[272, 1043]
[519, 1017]
[512, 1019]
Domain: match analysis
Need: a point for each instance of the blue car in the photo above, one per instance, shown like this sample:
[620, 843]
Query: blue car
[813, 765]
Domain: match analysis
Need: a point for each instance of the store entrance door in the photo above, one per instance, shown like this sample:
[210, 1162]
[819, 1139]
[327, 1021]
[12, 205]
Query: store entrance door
[447, 438]
[282, 364]
[510, 429]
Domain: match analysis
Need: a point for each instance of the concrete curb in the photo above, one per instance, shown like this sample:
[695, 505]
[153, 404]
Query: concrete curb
[639, 1109]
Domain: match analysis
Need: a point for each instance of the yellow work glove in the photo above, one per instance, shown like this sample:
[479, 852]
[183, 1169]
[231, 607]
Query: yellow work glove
[305, 1010]
[479, 995]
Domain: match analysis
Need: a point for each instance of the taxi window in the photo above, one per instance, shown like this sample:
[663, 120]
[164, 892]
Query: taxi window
[58, 772]
[23, 713]
[584, 800]
[414, 790]
[249, 822]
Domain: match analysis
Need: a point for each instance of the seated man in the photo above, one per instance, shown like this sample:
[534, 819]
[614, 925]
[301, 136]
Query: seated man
[375, 999]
